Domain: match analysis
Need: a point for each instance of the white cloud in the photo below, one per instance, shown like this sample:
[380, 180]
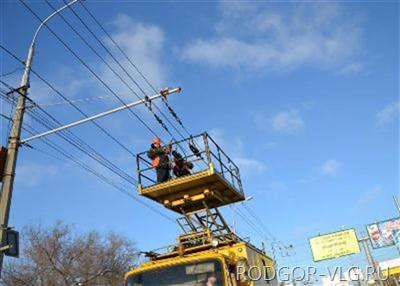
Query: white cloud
[247, 164]
[234, 148]
[287, 121]
[270, 145]
[370, 195]
[389, 113]
[351, 68]
[260, 37]
[143, 44]
[330, 167]
[32, 174]
[276, 187]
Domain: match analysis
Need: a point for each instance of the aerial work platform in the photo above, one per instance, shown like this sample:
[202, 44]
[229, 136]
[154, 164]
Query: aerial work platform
[214, 179]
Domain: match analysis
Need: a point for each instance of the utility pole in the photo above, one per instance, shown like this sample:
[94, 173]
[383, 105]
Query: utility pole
[396, 203]
[364, 241]
[11, 161]
[13, 141]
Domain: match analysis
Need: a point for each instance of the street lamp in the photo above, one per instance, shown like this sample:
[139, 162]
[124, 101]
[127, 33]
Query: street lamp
[13, 142]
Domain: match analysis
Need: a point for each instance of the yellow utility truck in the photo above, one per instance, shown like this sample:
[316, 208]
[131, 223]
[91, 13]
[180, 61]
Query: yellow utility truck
[207, 252]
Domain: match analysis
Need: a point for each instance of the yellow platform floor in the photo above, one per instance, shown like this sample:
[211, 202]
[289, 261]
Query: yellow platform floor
[187, 194]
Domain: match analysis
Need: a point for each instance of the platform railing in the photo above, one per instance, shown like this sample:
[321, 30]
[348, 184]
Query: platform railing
[201, 152]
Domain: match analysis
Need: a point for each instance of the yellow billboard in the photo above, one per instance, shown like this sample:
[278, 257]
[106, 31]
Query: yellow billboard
[334, 245]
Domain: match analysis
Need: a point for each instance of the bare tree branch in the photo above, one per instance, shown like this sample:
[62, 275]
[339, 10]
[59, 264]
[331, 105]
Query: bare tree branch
[56, 256]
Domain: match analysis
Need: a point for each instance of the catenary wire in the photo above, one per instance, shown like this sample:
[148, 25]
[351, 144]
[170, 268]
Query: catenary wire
[241, 214]
[149, 106]
[10, 72]
[89, 69]
[87, 168]
[258, 232]
[126, 72]
[78, 100]
[258, 220]
[133, 65]
[79, 143]
[80, 60]
[85, 148]
[70, 102]
[96, 76]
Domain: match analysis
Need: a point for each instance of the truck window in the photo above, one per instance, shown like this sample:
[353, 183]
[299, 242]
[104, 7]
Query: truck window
[202, 273]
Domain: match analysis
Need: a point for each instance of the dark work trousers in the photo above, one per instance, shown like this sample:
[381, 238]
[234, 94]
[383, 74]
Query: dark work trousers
[162, 175]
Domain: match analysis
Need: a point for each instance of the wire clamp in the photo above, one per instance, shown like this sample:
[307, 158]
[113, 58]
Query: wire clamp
[147, 102]
[164, 92]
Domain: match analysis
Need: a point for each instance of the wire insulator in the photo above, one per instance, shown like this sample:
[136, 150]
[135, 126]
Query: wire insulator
[161, 122]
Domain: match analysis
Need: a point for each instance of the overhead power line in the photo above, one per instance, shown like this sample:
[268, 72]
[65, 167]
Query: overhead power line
[89, 68]
[79, 143]
[117, 45]
[77, 162]
[258, 221]
[108, 134]
[173, 113]
[245, 219]
[49, 143]
[242, 215]
[6, 97]
[109, 66]
[105, 84]
[10, 72]
[5, 117]
[150, 104]
[84, 99]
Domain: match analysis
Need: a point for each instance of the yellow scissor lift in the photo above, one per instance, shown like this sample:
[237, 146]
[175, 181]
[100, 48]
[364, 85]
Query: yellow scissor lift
[214, 182]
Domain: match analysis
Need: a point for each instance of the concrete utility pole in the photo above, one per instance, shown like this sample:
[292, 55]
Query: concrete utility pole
[364, 241]
[13, 141]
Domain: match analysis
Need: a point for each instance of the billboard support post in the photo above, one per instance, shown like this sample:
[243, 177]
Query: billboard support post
[364, 241]
[396, 203]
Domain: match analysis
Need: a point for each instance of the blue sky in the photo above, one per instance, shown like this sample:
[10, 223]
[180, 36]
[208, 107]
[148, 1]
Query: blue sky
[302, 95]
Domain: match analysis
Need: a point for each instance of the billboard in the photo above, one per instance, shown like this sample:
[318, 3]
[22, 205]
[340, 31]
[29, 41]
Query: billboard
[384, 233]
[334, 245]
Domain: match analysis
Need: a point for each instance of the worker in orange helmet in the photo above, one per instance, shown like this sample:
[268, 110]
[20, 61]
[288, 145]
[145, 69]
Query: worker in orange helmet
[160, 159]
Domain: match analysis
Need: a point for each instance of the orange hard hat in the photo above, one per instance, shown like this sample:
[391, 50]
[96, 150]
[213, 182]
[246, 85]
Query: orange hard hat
[156, 140]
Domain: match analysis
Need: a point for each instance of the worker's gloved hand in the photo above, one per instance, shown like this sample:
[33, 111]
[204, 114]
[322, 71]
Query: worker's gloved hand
[176, 155]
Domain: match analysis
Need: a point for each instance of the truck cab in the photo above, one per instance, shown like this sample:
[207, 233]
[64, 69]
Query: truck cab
[238, 264]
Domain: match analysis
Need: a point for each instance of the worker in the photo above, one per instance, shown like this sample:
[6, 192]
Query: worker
[160, 160]
[181, 166]
[212, 280]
